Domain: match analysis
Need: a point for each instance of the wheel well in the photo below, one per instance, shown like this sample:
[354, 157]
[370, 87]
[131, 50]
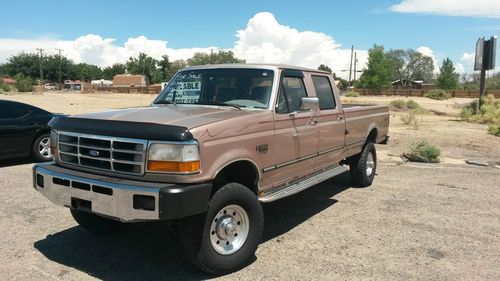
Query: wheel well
[243, 172]
[372, 136]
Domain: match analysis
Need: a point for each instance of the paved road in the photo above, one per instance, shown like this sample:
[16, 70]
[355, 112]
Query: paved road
[416, 222]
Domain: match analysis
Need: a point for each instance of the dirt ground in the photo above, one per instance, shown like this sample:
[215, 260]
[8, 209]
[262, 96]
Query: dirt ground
[416, 222]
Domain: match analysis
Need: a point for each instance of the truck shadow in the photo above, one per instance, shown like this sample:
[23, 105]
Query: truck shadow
[147, 251]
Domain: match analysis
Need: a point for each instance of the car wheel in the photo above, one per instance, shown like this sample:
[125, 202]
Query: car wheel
[363, 166]
[40, 149]
[227, 236]
[96, 224]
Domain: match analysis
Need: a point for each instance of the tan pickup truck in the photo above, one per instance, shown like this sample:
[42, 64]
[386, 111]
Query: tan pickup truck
[217, 142]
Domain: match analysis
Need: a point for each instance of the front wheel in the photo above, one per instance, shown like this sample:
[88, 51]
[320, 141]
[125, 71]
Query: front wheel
[226, 238]
[363, 166]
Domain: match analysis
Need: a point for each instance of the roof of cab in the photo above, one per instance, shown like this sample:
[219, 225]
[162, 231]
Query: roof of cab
[255, 65]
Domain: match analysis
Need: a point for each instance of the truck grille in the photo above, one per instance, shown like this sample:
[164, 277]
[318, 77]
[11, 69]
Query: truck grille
[122, 155]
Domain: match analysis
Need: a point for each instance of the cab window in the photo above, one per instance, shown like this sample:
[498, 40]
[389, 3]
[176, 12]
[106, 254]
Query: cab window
[324, 92]
[291, 91]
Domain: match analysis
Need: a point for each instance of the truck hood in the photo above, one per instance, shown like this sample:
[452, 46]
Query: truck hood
[187, 116]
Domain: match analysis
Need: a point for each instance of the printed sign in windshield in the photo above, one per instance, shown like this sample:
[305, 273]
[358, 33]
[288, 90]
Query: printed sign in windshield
[185, 91]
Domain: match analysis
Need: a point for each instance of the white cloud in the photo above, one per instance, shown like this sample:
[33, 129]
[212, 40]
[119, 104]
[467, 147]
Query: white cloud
[96, 50]
[265, 40]
[476, 8]
[468, 58]
[460, 68]
[426, 51]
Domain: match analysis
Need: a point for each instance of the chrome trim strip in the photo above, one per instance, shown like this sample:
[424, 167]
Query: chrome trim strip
[270, 168]
[354, 142]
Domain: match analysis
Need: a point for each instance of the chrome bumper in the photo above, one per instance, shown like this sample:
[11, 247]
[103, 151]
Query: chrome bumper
[115, 200]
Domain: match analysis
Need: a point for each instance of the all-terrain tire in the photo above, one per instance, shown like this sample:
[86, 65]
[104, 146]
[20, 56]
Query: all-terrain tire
[96, 224]
[363, 166]
[200, 238]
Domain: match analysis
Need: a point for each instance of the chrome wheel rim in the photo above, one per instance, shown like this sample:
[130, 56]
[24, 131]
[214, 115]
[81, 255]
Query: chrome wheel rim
[43, 147]
[370, 164]
[229, 229]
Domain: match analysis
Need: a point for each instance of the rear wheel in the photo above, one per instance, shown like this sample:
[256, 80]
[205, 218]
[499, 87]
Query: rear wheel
[364, 166]
[96, 224]
[227, 236]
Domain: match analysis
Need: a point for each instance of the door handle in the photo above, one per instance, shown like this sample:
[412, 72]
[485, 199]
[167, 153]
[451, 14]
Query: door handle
[340, 118]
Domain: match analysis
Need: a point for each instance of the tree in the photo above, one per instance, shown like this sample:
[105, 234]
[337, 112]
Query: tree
[324, 67]
[216, 58]
[174, 67]
[110, 71]
[379, 71]
[26, 63]
[85, 72]
[146, 66]
[448, 78]
[410, 65]
[164, 65]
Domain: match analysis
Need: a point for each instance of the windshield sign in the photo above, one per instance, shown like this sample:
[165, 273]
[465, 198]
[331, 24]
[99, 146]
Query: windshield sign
[250, 88]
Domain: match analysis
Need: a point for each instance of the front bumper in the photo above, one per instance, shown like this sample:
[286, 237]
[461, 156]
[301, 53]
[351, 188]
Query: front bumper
[120, 199]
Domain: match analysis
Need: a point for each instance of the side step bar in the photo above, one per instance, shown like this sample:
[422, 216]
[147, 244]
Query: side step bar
[297, 187]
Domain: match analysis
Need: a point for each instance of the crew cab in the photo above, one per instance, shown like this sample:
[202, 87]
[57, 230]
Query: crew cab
[214, 145]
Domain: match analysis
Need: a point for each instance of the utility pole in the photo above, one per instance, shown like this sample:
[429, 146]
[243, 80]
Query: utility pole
[60, 74]
[40, 63]
[211, 55]
[350, 65]
[355, 62]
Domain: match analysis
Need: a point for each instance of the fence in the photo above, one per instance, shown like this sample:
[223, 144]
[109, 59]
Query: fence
[421, 93]
[152, 90]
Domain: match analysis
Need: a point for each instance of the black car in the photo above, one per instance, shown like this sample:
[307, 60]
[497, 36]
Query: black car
[24, 131]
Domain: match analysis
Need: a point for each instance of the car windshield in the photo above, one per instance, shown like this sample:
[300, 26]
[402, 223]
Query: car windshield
[248, 88]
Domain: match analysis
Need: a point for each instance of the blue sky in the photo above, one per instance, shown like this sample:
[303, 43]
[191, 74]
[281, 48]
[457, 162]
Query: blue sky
[445, 31]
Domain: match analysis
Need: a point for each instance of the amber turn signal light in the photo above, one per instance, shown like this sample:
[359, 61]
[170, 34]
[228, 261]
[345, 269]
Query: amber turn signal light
[173, 167]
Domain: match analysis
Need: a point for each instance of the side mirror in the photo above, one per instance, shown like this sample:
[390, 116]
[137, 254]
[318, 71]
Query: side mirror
[309, 103]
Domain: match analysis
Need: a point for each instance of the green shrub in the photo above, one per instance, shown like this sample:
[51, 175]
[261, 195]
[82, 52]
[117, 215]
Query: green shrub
[401, 105]
[24, 84]
[4, 87]
[494, 129]
[438, 94]
[422, 151]
[489, 113]
[352, 94]
[411, 104]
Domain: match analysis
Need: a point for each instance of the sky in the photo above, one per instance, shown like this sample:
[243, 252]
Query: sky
[304, 33]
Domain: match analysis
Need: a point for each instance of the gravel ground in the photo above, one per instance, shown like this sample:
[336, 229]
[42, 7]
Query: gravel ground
[416, 222]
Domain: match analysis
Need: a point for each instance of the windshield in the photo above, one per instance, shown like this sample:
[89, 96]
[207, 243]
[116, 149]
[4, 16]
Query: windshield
[249, 88]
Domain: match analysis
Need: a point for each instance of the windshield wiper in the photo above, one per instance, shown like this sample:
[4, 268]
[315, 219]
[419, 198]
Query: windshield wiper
[220, 104]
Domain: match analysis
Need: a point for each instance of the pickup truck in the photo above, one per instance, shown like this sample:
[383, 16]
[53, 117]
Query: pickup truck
[214, 145]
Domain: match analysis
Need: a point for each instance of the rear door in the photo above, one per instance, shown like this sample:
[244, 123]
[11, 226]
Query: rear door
[296, 132]
[330, 121]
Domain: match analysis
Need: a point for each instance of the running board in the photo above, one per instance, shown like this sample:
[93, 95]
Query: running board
[288, 190]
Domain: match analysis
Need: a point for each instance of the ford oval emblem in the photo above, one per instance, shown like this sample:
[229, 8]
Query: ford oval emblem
[94, 153]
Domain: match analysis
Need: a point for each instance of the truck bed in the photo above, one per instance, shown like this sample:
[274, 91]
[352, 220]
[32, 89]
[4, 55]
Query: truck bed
[361, 119]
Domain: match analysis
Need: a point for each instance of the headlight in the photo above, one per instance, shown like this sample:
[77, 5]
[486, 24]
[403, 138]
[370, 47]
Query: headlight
[174, 158]
[53, 143]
